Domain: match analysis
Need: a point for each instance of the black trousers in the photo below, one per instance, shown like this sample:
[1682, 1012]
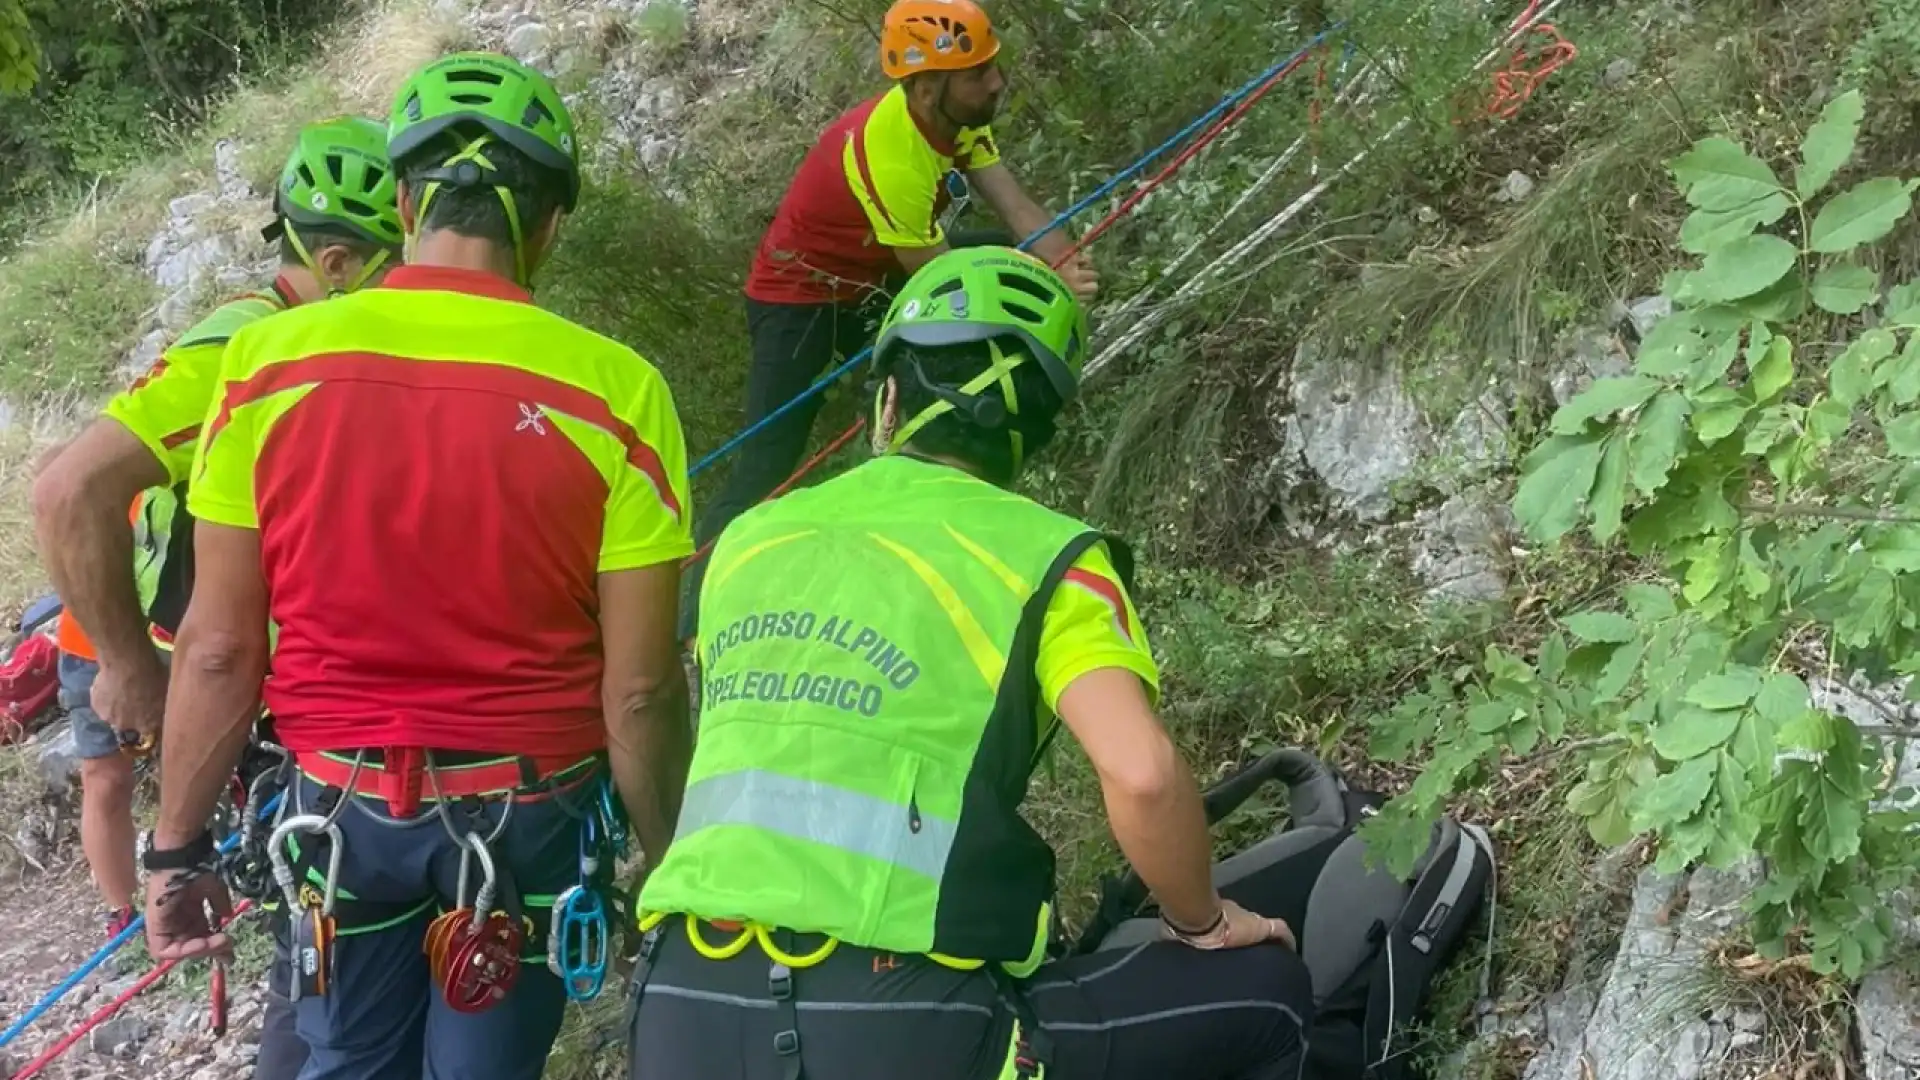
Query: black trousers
[1146, 1013]
[792, 345]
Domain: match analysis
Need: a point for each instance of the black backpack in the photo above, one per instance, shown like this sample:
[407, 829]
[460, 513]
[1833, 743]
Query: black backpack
[1372, 942]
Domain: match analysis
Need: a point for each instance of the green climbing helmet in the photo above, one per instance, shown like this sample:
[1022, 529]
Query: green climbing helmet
[338, 176]
[988, 294]
[512, 101]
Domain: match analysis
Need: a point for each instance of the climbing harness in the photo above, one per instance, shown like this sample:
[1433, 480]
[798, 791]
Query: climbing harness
[474, 952]
[311, 916]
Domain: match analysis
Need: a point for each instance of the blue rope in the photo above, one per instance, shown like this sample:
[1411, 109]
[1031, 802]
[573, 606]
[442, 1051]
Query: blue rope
[1062, 218]
[106, 952]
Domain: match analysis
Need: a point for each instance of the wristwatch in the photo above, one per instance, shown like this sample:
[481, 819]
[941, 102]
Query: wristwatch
[196, 853]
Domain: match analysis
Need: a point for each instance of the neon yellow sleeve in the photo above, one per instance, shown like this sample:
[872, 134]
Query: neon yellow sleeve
[649, 502]
[164, 407]
[1091, 624]
[977, 149]
[221, 490]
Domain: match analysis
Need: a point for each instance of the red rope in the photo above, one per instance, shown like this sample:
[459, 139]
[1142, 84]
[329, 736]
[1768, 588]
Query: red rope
[106, 1011]
[1127, 206]
[1525, 73]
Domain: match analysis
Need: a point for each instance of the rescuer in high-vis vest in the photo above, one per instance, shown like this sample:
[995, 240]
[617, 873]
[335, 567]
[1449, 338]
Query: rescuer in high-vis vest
[851, 892]
[338, 228]
[873, 201]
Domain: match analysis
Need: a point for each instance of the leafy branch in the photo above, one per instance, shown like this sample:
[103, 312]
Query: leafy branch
[1777, 498]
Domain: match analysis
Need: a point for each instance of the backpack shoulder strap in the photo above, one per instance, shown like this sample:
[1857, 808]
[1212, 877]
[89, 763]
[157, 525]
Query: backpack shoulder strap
[1448, 889]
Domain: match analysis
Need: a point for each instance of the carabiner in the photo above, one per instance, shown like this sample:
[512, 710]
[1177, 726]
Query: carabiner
[313, 825]
[489, 881]
[613, 820]
[578, 942]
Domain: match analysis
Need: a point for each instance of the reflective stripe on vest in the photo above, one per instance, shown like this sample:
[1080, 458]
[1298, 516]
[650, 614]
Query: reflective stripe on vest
[867, 731]
[824, 814]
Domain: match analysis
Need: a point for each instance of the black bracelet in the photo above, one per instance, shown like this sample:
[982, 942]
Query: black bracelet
[196, 853]
[1219, 916]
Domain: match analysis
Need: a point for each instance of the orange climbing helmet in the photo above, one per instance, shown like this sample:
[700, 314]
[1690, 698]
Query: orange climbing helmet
[935, 35]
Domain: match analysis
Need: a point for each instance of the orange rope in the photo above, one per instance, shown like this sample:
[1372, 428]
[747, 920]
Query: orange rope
[1529, 66]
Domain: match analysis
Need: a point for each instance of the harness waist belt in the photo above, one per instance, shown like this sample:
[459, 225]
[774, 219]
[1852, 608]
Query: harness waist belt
[400, 775]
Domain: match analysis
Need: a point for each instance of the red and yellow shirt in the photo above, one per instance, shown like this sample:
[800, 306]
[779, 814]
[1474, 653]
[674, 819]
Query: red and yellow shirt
[163, 408]
[874, 182]
[439, 471]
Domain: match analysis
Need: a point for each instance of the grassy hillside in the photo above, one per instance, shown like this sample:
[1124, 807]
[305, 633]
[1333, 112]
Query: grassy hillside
[1410, 259]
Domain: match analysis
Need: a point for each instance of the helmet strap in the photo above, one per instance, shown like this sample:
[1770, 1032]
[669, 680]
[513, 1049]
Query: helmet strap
[450, 171]
[984, 411]
[367, 269]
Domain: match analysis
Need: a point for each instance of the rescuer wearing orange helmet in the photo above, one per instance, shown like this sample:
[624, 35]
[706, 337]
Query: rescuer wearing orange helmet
[871, 204]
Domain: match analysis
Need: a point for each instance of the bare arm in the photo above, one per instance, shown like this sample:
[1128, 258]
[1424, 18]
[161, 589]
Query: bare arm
[1152, 801]
[644, 693]
[912, 259]
[1023, 216]
[80, 503]
[219, 662]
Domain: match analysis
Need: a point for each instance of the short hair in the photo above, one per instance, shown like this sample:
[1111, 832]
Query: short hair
[313, 239]
[477, 212]
[954, 434]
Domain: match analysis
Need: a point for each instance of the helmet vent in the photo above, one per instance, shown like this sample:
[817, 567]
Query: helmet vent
[473, 75]
[306, 174]
[945, 287]
[374, 174]
[473, 99]
[1019, 310]
[1023, 284]
[536, 114]
[336, 169]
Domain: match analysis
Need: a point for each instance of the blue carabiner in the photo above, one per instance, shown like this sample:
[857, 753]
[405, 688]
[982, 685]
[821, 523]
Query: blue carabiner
[580, 943]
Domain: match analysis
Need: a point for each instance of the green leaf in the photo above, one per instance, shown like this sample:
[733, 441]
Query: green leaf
[1860, 215]
[1781, 697]
[1649, 603]
[1609, 497]
[1774, 372]
[1903, 304]
[1558, 476]
[1829, 143]
[1693, 732]
[1719, 175]
[1671, 346]
[1808, 729]
[1729, 689]
[1902, 375]
[1782, 302]
[1768, 429]
[1604, 398]
[1846, 288]
[1713, 422]
[1852, 375]
[1753, 571]
[1619, 672]
[1745, 266]
[1658, 436]
[1552, 658]
[1897, 550]
[1828, 420]
[1704, 230]
[1604, 626]
[1903, 435]
[1675, 796]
